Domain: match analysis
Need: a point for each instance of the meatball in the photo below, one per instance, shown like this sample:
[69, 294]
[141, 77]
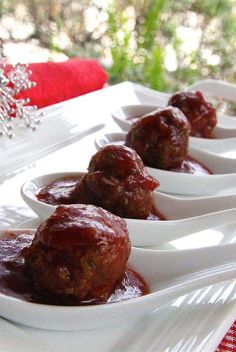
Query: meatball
[117, 181]
[160, 138]
[200, 113]
[78, 254]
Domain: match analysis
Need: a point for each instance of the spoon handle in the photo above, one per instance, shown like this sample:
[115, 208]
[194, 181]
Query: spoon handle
[179, 263]
[206, 221]
[217, 146]
[216, 163]
[154, 233]
[180, 183]
[223, 132]
[181, 208]
[169, 265]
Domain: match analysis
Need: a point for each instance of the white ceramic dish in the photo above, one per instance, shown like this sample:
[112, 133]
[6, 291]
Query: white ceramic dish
[223, 169]
[184, 215]
[169, 274]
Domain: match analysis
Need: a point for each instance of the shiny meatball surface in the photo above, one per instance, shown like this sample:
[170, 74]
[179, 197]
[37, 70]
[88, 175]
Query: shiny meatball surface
[160, 138]
[79, 254]
[200, 113]
[117, 181]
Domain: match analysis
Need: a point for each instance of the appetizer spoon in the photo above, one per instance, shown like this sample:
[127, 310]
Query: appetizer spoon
[168, 274]
[184, 216]
[223, 169]
[225, 128]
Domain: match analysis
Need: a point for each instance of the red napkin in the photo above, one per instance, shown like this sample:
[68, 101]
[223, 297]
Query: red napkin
[57, 82]
[228, 344]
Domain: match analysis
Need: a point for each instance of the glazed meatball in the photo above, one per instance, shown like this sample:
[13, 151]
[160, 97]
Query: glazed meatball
[78, 254]
[160, 138]
[117, 181]
[200, 113]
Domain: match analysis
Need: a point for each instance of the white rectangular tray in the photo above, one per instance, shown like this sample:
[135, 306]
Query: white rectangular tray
[196, 322]
[62, 124]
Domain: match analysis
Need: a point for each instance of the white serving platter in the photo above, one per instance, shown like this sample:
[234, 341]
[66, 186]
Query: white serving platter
[64, 124]
[197, 321]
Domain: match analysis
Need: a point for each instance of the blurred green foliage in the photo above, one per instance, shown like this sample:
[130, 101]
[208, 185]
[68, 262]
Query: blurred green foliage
[163, 44]
[136, 55]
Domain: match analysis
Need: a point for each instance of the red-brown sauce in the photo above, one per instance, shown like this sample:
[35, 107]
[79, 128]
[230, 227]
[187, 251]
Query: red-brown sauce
[58, 192]
[15, 281]
[191, 166]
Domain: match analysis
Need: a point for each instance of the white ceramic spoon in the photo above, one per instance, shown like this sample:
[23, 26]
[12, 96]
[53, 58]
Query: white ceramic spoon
[168, 274]
[223, 169]
[185, 216]
[123, 114]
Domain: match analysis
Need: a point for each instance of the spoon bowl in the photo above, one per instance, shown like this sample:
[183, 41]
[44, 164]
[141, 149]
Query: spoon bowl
[184, 216]
[223, 179]
[169, 274]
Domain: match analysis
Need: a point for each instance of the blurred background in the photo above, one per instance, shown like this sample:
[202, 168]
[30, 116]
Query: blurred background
[163, 44]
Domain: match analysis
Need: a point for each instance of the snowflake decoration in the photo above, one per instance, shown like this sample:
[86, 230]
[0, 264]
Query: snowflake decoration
[11, 83]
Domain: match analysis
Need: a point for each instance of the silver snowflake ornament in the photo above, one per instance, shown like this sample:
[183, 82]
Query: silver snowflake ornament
[12, 81]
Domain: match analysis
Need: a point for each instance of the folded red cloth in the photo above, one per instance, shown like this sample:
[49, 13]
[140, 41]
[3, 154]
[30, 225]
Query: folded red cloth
[228, 344]
[60, 81]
